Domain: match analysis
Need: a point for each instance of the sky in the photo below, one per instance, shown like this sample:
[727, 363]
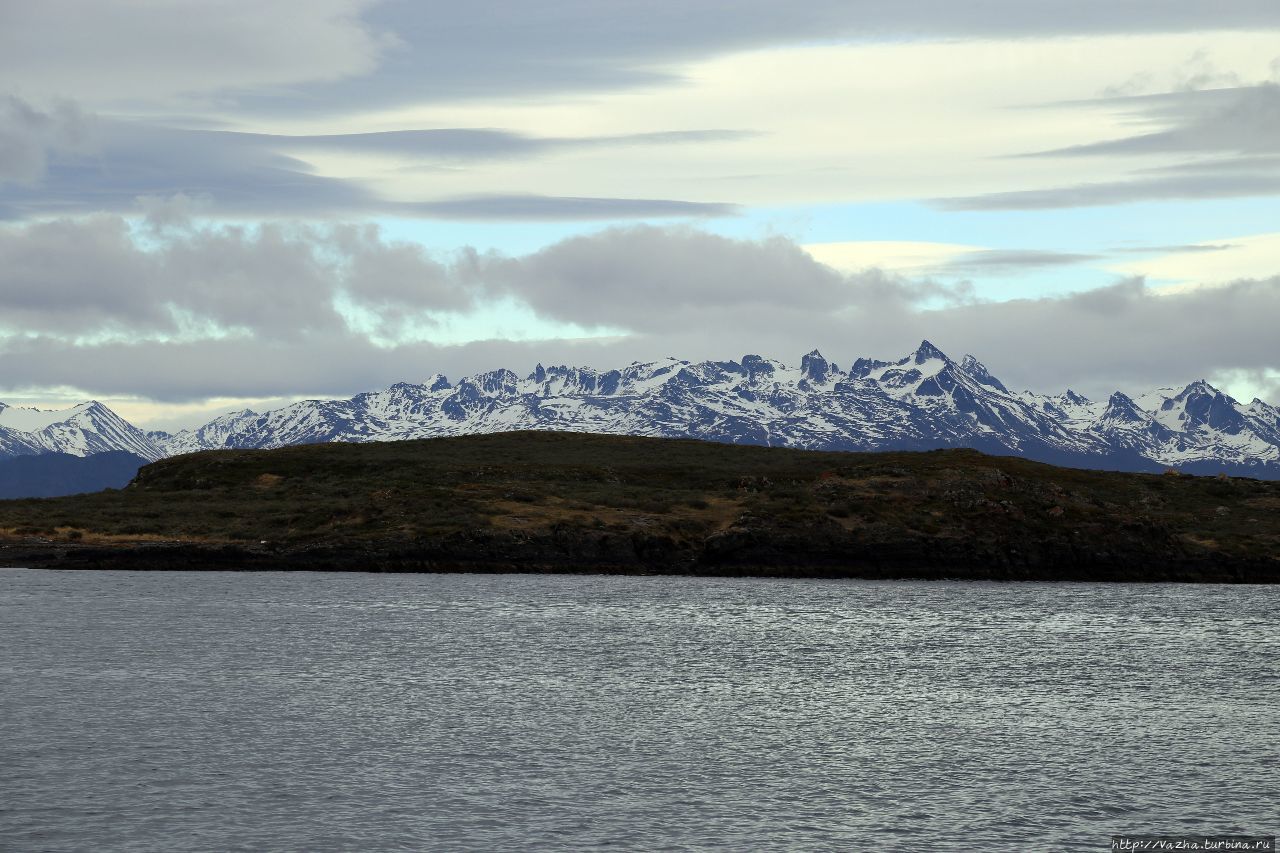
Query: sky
[206, 206]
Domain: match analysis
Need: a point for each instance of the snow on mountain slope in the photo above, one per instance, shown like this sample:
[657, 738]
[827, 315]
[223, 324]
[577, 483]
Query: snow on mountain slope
[34, 420]
[921, 401]
[1070, 409]
[81, 430]
[14, 443]
[1122, 424]
[1207, 425]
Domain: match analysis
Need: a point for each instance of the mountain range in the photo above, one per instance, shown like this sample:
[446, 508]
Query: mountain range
[923, 401]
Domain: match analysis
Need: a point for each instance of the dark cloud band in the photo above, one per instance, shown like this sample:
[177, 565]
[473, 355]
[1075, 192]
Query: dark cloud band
[204, 313]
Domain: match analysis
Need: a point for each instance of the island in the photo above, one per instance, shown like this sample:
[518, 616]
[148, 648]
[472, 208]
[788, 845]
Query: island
[539, 501]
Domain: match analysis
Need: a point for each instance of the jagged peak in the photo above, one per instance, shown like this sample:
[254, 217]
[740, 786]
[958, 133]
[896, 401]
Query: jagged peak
[660, 365]
[492, 381]
[979, 372]
[1194, 396]
[1199, 386]
[729, 366]
[1077, 399]
[437, 382]
[815, 367]
[751, 361]
[926, 352]
[863, 367]
[1120, 406]
[539, 374]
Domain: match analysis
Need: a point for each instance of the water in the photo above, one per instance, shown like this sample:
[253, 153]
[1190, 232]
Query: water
[228, 711]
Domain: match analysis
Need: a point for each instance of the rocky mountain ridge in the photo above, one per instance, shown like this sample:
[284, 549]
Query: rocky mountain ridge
[923, 401]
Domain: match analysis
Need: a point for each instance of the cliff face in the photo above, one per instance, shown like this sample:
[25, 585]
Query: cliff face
[580, 503]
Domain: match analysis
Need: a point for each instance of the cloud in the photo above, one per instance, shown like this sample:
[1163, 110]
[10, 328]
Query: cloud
[464, 51]
[1004, 261]
[899, 256]
[1251, 256]
[1242, 119]
[127, 53]
[795, 117]
[1126, 336]
[136, 160]
[335, 55]
[1188, 248]
[29, 137]
[264, 174]
[280, 310]
[540, 207]
[947, 260]
[1233, 134]
[655, 277]
[1196, 73]
[1206, 184]
[468, 144]
[91, 280]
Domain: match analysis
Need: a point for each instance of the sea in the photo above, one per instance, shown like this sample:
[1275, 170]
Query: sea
[365, 712]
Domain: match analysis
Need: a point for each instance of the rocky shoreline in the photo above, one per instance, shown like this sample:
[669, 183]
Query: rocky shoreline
[741, 553]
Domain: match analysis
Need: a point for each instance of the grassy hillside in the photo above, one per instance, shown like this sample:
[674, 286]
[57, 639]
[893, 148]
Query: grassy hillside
[556, 501]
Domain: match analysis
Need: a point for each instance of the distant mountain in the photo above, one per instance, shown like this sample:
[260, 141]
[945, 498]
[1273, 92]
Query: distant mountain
[54, 474]
[922, 401]
[86, 448]
[82, 430]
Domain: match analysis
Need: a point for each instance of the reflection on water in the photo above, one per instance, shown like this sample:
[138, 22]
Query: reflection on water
[230, 711]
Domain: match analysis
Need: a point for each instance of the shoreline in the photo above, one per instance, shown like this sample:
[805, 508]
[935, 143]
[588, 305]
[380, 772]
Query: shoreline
[432, 558]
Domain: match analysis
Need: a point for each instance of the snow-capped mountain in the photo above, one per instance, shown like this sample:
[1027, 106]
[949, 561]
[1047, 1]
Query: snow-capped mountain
[82, 430]
[922, 401]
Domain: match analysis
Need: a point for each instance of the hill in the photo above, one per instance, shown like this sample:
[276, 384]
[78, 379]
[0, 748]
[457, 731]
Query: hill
[561, 502]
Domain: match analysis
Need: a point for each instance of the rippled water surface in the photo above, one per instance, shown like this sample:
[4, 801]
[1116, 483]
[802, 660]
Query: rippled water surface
[224, 711]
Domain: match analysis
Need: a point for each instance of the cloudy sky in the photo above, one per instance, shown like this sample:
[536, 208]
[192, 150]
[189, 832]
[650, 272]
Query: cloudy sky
[237, 202]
